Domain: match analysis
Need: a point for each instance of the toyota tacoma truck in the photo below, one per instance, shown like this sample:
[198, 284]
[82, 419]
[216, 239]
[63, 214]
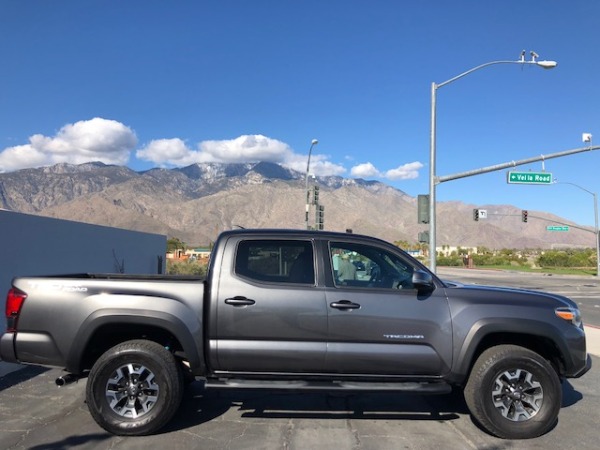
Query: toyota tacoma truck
[273, 313]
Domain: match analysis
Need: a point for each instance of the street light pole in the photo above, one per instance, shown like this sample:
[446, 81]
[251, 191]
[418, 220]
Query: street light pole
[312, 144]
[597, 235]
[433, 180]
[596, 230]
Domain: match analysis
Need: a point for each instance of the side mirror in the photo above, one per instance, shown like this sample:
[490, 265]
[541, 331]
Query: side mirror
[422, 280]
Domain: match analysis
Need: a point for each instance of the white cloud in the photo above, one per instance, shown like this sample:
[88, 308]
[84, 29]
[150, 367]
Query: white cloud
[408, 171]
[21, 157]
[322, 167]
[112, 142]
[168, 152]
[97, 139]
[319, 165]
[245, 148]
[365, 170]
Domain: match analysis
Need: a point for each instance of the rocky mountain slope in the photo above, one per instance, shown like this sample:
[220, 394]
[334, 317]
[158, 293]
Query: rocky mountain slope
[195, 203]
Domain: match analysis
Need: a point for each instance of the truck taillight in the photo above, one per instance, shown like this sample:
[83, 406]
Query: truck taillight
[14, 302]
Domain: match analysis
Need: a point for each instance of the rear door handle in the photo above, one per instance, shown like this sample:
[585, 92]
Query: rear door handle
[239, 301]
[345, 304]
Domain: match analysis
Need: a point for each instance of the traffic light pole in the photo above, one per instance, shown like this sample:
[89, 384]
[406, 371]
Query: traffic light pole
[507, 165]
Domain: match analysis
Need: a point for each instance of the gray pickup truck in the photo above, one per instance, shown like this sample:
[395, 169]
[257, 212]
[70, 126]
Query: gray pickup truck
[301, 310]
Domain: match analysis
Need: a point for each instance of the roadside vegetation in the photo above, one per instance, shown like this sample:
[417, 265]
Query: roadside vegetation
[563, 261]
[183, 266]
[189, 267]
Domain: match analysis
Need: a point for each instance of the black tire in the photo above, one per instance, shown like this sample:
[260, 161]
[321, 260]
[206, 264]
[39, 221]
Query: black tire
[513, 392]
[134, 388]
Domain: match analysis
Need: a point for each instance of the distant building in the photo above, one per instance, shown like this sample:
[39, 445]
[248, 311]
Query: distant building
[34, 245]
[177, 255]
[448, 250]
[192, 254]
[198, 253]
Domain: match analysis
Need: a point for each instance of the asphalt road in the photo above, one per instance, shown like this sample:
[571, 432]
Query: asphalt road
[35, 414]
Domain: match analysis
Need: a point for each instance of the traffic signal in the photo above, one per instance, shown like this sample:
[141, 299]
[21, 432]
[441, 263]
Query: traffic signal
[320, 217]
[524, 215]
[475, 215]
[315, 195]
[423, 208]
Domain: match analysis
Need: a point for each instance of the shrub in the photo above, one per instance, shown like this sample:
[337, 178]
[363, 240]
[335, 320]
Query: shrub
[188, 267]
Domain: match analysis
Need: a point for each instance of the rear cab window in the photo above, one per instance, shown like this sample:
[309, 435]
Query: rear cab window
[276, 261]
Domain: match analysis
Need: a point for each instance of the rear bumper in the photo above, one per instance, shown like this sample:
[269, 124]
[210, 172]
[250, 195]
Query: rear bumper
[7, 348]
[30, 348]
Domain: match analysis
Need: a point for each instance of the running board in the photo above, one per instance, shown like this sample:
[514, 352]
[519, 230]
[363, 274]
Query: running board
[437, 387]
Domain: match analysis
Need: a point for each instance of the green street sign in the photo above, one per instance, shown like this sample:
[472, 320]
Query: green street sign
[529, 178]
[557, 228]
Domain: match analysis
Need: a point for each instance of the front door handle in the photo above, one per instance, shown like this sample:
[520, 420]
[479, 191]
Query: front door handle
[239, 301]
[345, 304]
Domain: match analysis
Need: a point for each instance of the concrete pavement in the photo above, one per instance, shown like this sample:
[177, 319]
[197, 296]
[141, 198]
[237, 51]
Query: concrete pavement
[592, 340]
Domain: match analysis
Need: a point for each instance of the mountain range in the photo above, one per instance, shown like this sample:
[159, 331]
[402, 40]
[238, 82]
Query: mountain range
[196, 202]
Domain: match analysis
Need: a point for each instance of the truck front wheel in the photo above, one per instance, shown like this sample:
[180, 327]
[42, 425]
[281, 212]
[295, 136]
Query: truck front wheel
[134, 388]
[513, 392]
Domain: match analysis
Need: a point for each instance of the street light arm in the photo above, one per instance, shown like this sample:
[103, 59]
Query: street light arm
[433, 180]
[543, 64]
[573, 184]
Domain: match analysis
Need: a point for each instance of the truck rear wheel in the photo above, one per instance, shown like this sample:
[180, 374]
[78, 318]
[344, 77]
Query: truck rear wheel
[134, 388]
[513, 392]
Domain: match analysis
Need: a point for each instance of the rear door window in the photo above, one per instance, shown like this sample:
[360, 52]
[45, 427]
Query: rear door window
[276, 261]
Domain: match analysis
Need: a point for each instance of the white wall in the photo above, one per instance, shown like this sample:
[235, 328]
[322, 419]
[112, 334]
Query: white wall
[34, 245]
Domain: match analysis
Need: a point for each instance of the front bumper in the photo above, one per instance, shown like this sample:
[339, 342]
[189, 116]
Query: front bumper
[584, 370]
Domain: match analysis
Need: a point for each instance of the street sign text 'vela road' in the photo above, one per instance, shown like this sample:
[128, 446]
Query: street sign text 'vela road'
[529, 178]
[557, 228]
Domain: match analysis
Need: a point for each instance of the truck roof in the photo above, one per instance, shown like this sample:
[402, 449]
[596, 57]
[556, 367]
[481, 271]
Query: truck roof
[298, 232]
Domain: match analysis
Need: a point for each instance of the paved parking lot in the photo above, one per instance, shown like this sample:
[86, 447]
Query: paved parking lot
[35, 414]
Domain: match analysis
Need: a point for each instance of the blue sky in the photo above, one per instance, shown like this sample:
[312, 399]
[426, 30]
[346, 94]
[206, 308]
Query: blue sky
[156, 83]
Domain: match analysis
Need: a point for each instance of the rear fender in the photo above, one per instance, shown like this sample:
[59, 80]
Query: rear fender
[187, 331]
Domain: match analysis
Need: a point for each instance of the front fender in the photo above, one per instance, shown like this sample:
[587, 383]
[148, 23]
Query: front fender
[566, 340]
